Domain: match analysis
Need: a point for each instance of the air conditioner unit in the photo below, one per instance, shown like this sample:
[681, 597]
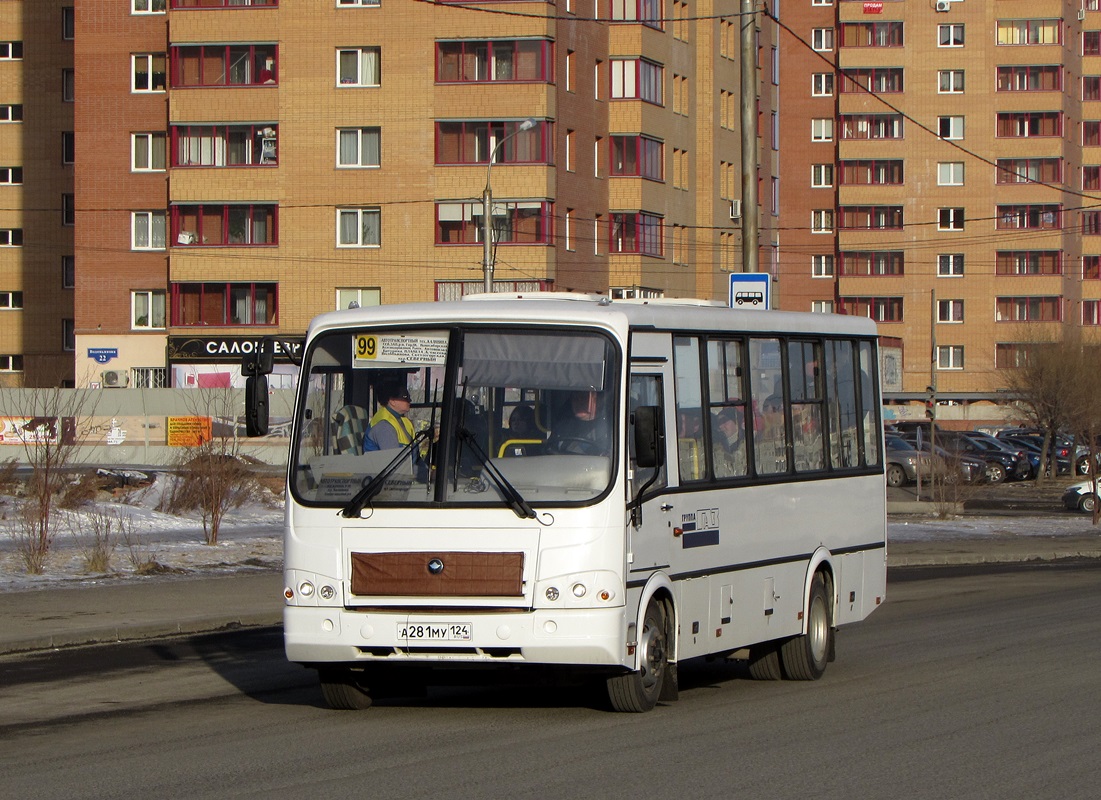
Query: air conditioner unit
[115, 378]
[186, 237]
[735, 209]
[944, 5]
[1081, 15]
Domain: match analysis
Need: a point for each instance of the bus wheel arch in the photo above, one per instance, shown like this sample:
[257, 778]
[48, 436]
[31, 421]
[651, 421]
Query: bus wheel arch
[654, 676]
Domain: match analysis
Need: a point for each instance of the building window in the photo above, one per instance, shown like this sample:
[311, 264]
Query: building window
[870, 218]
[950, 311]
[1091, 268]
[68, 209]
[11, 51]
[1029, 31]
[822, 39]
[217, 225]
[878, 80]
[11, 176]
[504, 61]
[637, 79]
[950, 219]
[358, 227]
[648, 12]
[224, 304]
[821, 266]
[1091, 43]
[881, 309]
[358, 298]
[361, 66]
[11, 113]
[147, 310]
[1029, 170]
[950, 173]
[821, 306]
[950, 356]
[871, 34]
[150, 6]
[871, 173]
[1028, 309]
[147, 152]
[11, 237]
[1091, 87]
[821, 220]
[873, 262]
[475, 142]
[11, 363]
[1030, 78]
[68, 85]
[358, 147]
[1028, 124]
[636, 233]
[225, 145]
[149, 377]
[68, 23]
[1091, 312]
[11, 301]
[149, 73]
[637, 156]
[1029, 217]
[363, 3]
[148, 230]
[68, 335]
[821, 130]
[821, 84]
[871, 126]
[514, 222]
[224, 65]
[950, 35]
[950, 81]
[821, 176]
[1028, 262]
[68, 272]
[1091, 223]
[68, 147]
[950, 127]
[950, 265]
[1091, 177]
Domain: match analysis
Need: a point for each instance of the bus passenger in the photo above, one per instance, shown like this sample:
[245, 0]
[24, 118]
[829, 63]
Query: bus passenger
[729, 443]
[521, 423]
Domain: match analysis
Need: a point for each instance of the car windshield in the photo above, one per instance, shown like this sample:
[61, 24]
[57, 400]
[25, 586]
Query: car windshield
[495, 417]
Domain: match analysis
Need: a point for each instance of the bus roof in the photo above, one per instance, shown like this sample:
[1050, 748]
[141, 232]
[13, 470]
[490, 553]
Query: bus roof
[564, 308]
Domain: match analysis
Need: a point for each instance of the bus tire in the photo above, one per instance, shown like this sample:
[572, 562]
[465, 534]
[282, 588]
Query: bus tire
[804, 657]
[341, 690]
[639, 691]
[764, 662]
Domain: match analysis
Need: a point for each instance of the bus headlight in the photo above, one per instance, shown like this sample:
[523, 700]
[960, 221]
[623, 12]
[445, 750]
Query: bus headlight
[327, 592]
[579, 590]
[305, 589]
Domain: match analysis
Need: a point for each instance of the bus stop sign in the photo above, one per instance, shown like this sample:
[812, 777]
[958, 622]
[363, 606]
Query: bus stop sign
[751, 290]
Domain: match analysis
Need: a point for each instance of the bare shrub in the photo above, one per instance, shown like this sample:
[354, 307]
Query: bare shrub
[9, 481]
[33, 547]
[80, 492]
[139, 553]
[97, 537]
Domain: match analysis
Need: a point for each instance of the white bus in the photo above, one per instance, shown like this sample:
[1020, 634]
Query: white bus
[607, 488]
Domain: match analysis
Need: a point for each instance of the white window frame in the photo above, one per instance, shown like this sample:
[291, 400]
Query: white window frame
[822, 40]
[950, 173]
[821, 306]
[145, 221]
[135, 59]
[149, 138]
[364, 296]
[954, 80]
[359, 214]
[947, 265]
[821, 220]
[11, 301]
[7, 114]
[150, 295]
[821, 2]
[7, 51]
[8, 237]
[954, 122]
[950, 312]
[948, 355]
[362, 159]
[956, 219]
[361, 79]
[822, 84]
[11, 176]
[821, 176]
[148, 6]
[821, 129]
[8, 362]
[822, 266]
[950, 29]
[358, 3]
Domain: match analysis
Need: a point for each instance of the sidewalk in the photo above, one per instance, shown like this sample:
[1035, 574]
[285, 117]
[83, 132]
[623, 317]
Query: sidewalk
[45, 619]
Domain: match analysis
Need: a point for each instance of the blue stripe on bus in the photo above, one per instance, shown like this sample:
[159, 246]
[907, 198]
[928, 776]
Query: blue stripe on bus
[699, 538]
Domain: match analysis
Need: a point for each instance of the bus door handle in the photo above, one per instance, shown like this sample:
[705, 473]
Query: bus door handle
[666, 506]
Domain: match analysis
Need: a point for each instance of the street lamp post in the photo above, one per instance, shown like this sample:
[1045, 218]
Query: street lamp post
[487, 205]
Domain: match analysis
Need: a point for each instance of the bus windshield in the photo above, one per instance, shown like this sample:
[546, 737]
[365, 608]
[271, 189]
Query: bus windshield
[457, 416]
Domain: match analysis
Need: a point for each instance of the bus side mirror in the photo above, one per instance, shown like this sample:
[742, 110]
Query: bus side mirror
[649, 435]
[261, 360]
[256, 405]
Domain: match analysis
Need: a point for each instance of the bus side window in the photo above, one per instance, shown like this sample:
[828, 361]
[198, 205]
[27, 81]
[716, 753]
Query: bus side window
[645, 391]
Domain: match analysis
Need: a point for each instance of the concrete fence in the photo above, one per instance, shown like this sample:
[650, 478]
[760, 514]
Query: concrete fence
[137, 427]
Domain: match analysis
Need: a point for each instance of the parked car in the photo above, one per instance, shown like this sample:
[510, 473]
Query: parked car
[1064, 444]
[1034, 447]
[1081, 496]
[1001, 455]
[905, 463]
[999, 464]
[954, 466]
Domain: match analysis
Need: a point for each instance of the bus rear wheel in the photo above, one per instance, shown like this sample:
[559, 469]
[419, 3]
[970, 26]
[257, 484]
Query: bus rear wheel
[639, 691]
[804, 657]
[342, 691]
[764, 662]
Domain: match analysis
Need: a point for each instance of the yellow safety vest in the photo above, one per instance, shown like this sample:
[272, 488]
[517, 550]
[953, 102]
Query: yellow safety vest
[402, 425]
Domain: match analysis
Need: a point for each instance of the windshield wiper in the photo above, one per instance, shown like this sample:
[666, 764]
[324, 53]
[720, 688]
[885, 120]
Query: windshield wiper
[367, 493]
[512, 496]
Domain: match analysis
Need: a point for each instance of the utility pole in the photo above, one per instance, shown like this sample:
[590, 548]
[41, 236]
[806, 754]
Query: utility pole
[487, 210]
[750, 221]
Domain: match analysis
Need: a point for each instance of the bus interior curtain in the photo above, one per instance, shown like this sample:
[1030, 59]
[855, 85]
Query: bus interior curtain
[536, 362]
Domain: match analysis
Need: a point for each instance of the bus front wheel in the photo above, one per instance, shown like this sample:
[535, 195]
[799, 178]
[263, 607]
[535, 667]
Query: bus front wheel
[342, 691]
[804, 657]
[639, 691]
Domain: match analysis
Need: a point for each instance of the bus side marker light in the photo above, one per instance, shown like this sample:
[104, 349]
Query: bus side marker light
[606, 595]
[288, 593]
[327, 592]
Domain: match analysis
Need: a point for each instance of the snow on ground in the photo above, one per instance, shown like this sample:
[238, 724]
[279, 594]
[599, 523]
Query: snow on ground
[922, 529]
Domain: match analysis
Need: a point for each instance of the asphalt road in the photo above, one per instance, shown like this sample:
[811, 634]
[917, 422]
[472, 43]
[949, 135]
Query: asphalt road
[965, 684]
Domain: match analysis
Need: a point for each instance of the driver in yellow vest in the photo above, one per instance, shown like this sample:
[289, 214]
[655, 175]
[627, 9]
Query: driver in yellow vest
[390, 427]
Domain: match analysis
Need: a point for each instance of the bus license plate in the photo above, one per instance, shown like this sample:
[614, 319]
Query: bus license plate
[434, 631]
